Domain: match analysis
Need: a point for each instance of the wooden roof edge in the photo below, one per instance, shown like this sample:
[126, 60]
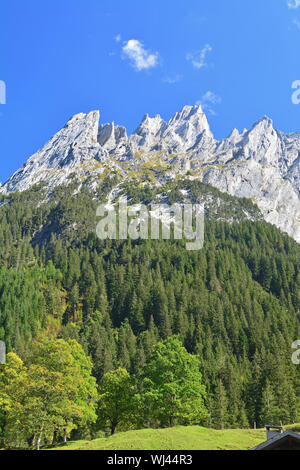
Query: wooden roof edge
[277, 438]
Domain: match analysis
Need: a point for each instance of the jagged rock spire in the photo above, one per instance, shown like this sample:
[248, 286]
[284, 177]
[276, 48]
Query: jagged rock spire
[261, 163]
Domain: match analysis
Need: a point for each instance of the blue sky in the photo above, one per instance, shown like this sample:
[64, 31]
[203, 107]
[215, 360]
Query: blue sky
[131, 57]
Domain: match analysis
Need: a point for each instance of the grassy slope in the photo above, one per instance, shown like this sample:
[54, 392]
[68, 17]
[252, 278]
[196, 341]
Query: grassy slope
[178, 438]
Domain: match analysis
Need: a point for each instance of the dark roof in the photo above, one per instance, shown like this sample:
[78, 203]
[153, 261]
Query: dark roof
[288, 437]
[270, 426]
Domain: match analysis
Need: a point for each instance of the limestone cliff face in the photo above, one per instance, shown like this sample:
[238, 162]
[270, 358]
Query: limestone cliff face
[261, 163]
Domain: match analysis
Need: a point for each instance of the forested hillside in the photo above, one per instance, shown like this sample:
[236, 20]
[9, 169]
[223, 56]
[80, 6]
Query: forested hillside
[234, 303]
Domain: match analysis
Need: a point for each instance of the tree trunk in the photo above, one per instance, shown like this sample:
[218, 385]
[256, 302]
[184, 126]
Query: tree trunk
[54, 438]
[65, 435]
[38, 441]
[113, 428]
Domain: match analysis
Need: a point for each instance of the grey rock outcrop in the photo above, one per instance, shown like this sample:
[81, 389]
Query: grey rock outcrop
[261, 163]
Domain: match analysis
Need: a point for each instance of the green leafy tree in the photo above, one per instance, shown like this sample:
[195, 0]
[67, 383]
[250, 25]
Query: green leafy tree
[173, 389]
[13, 379]
[117, 405]
[57, 393]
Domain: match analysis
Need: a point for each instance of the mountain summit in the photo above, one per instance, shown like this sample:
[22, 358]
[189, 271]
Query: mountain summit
[262, 163]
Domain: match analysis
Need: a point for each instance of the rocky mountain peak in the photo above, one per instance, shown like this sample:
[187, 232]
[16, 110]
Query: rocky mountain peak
[149, 133]
[186, 112]
[110, 136]
[193, 115]
[186, 129]
[265, 124]
[260, 163]
[81, 128]
[71, 146]
[262, 142]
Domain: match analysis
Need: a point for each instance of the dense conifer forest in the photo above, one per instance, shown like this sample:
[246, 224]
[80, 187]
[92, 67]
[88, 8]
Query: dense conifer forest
[233, 305]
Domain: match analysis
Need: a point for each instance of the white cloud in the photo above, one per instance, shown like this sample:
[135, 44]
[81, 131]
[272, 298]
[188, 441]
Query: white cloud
[296, 23]
[141, 59]
[293, 4]
[198, 58]
[172, 80]
[208, 100]
[211, 97]
[118, 38]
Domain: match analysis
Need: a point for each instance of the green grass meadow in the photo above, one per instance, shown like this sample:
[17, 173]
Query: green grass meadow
[177, 438]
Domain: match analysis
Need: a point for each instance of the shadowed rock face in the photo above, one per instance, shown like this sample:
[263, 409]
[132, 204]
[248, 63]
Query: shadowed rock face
[262, 163]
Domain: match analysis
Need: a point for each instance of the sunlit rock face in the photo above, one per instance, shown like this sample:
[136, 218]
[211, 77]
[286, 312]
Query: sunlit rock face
[261, 163]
